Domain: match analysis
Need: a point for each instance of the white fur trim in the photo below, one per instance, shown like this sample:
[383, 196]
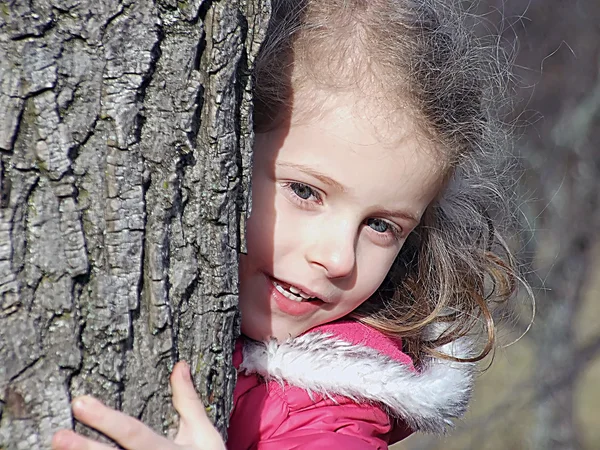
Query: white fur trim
[324, 364]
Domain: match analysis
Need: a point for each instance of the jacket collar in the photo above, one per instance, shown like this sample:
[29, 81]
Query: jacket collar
[323, 363]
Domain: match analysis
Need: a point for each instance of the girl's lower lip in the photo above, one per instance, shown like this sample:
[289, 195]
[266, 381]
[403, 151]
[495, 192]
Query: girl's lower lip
[287, 306]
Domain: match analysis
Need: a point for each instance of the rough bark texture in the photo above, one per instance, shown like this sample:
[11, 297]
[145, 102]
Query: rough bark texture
[125, 141]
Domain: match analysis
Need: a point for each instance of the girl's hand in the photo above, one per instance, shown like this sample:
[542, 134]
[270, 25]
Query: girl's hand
[196, 432]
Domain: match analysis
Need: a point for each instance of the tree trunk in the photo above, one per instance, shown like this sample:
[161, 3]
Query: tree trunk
[125, 143]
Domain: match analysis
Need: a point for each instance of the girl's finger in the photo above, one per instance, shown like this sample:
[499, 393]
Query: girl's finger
[127, 431]
[69, 440]
[185, 399]
[195, 428]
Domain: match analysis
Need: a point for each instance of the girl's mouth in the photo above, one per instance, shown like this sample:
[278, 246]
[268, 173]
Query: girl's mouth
[292, 300]
[292, 292]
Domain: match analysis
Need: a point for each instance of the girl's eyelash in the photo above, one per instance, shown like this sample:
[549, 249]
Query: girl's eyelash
[294, 187]
[395, 230]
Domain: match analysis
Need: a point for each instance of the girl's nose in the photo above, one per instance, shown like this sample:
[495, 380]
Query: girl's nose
[333, 249]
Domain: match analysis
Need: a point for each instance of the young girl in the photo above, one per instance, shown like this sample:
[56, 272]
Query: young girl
[373, 252]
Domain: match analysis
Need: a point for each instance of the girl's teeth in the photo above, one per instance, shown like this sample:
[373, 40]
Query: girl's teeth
[287, 293]
[293, 293]
[294, 290]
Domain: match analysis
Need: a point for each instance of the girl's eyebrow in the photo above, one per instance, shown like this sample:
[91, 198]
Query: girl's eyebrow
[314, 173]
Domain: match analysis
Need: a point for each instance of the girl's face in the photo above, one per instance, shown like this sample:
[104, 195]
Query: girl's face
[334, 199]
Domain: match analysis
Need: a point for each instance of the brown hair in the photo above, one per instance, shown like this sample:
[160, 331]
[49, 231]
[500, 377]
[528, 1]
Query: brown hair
[419, 57]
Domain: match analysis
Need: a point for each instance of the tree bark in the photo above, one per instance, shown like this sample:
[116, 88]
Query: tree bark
[125, 146]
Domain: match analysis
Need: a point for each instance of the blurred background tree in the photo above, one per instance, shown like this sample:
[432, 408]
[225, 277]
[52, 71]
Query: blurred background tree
[542, 393]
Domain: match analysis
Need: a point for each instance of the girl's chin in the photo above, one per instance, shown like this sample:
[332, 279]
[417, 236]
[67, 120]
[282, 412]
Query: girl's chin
[279, 332]
[254, 334]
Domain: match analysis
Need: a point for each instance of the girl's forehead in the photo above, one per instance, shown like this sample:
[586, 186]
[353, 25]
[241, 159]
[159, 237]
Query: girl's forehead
[357, 145]
[352, 163]
[365, 120]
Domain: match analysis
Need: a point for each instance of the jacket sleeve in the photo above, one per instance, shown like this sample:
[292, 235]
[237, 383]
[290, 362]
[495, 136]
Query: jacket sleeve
[331, 426]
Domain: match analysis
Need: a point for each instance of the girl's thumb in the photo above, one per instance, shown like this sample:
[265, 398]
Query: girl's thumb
[195, 428]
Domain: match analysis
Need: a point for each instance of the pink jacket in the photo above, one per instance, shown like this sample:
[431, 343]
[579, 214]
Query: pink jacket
[342, 385]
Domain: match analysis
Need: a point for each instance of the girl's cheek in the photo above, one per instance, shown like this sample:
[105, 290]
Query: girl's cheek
[285, 221]
[263, 199]
[376, 259]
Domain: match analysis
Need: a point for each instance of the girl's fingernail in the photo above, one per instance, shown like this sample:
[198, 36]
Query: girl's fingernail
[64, 440]
[59, 439]
[186, 372]
[79, 404]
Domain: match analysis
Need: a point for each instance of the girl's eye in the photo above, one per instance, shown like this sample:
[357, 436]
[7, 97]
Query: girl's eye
[381, 226]
[302, 194]
[303, 191]
[385, 230]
